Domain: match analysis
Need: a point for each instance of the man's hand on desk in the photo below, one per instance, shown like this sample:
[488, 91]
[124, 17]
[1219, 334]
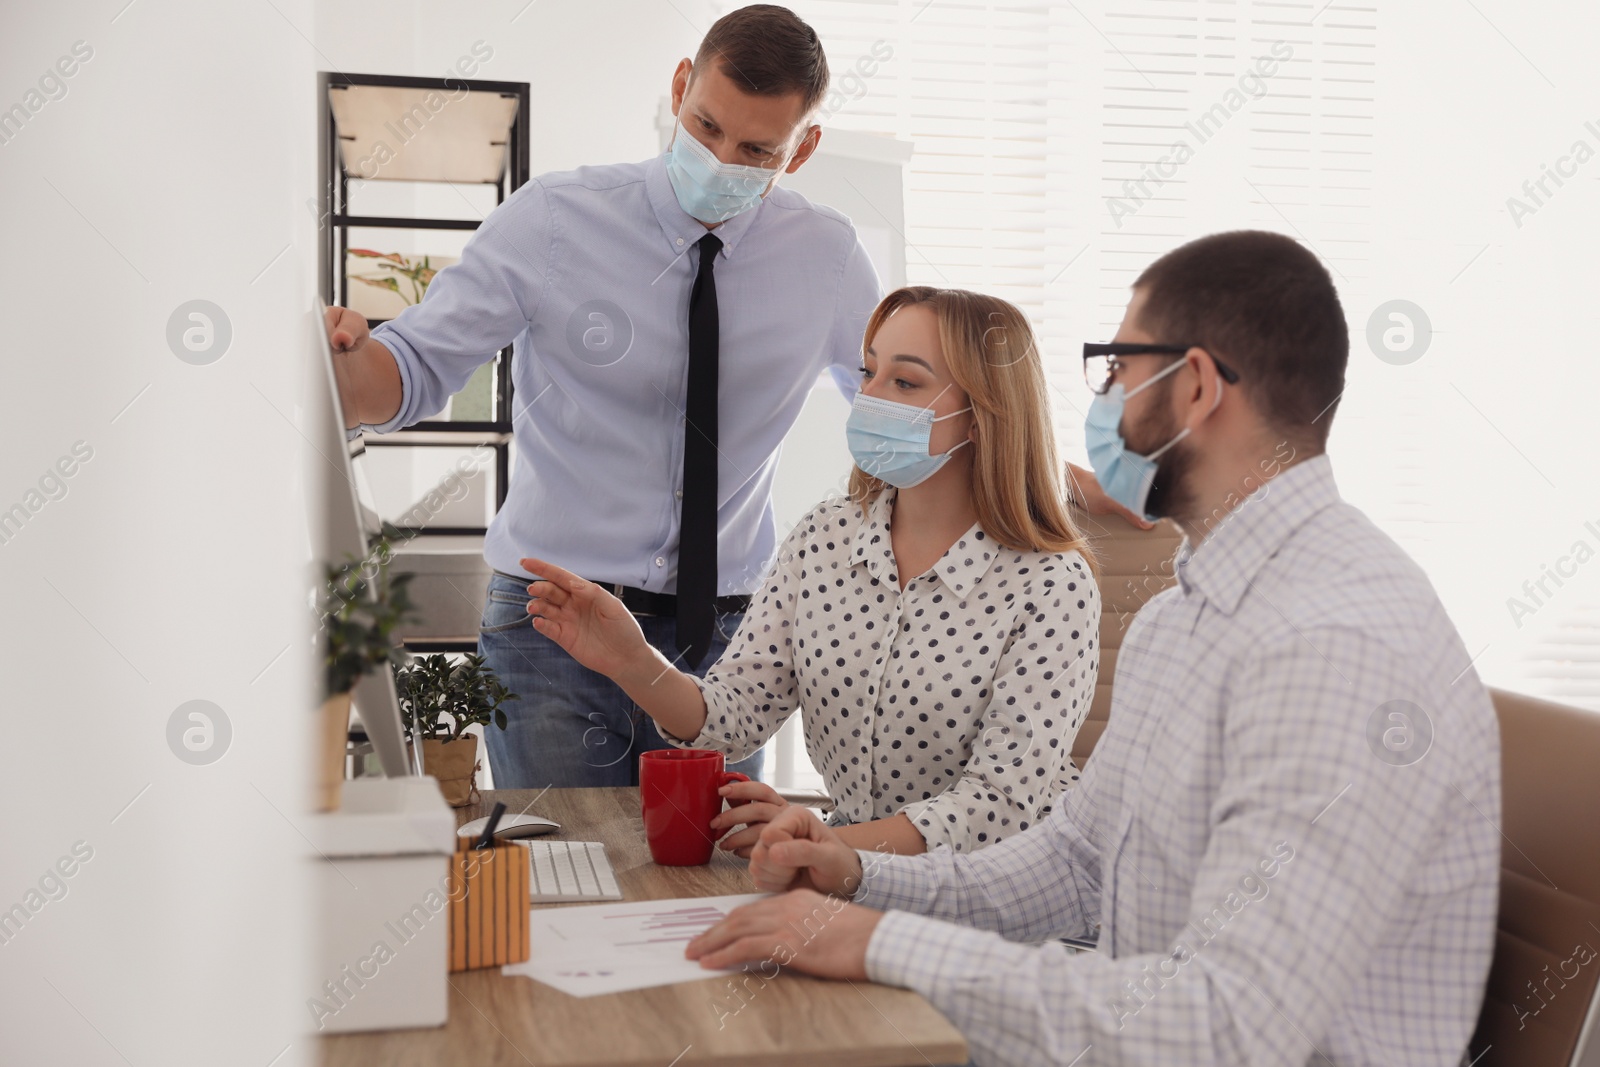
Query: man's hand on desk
[803, 929]
[796, 851]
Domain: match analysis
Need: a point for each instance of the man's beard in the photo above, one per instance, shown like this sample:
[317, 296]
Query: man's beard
[1169, 496]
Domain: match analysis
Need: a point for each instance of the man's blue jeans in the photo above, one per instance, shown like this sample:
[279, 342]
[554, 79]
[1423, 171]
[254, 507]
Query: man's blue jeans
[570, 726]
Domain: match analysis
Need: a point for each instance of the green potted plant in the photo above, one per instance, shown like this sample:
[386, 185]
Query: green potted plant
[438, 701]
[362, 608]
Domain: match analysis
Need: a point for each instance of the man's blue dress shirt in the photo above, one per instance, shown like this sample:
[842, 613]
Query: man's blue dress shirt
[589, 272]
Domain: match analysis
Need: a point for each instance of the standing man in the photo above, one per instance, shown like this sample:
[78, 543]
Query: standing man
[669, 319]
[1287, 844]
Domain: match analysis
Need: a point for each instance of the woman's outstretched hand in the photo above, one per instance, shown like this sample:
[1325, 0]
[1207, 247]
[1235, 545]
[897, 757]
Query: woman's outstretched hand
[590, 624]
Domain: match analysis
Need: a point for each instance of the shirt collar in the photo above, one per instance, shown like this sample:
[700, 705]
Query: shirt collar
[960, 568]
[1228, 559]
[682, 230]
[870, 547]
[966, 561]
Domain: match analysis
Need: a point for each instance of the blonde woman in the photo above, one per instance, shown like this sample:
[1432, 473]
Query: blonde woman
[937, 630]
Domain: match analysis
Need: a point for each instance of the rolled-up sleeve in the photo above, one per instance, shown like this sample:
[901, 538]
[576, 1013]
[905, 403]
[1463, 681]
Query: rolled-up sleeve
[1043, 685]
[473, 308]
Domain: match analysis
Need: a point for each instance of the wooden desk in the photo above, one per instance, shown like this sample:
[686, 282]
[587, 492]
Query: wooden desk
[789, 1020]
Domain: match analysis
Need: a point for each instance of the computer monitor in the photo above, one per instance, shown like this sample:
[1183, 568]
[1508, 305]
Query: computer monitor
[342, 525]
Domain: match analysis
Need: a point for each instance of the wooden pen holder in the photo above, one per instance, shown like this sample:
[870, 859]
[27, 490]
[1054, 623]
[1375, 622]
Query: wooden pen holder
[488, 906]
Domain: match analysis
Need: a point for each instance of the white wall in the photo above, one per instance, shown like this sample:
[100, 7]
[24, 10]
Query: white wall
[168, 567]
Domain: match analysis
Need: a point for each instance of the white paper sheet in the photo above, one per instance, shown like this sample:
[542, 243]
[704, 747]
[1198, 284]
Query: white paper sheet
[608, 948]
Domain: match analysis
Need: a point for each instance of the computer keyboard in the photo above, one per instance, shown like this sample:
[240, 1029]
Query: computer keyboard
[569, 871]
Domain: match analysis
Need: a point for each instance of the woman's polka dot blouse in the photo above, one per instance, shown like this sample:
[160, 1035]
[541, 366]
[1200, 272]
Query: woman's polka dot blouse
[954, 700]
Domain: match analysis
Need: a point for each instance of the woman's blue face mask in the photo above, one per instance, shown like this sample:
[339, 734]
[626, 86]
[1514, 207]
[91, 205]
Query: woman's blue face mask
[889, 440]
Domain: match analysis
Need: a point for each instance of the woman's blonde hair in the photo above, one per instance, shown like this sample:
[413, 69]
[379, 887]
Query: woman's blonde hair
[1016, 478]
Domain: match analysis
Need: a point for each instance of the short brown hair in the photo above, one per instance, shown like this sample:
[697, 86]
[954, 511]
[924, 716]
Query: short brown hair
[1265, 305]
[1017, 487]
[768, 50]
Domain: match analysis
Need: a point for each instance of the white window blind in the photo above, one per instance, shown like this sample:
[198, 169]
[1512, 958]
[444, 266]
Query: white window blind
[1060, 147]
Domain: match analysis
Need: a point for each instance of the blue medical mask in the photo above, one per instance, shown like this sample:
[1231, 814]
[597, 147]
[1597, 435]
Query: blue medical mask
[889, 440]
[1125, 476]
[709, 189]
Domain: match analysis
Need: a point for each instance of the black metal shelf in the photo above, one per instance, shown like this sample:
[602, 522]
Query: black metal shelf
[338, 221]
[392, 223]
[441, 435]
[410, 532]
[340, 80]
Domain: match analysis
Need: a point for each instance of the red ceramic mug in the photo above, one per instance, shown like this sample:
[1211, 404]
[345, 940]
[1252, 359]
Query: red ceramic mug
[678, 794]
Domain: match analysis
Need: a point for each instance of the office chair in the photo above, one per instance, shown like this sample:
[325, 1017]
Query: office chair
[1542, 1004]
[1132, 565]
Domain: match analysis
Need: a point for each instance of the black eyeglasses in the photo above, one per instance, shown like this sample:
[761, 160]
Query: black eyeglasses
[1100, 361]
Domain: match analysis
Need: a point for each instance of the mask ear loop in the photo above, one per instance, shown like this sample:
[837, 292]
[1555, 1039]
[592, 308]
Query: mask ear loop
[953, 449]
[940, 418]
[1129, 394]
[1158, 453]
[935, 400]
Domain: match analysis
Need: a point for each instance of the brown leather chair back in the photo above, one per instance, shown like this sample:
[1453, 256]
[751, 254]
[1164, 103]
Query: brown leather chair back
[1543, 981]
[1132, 566]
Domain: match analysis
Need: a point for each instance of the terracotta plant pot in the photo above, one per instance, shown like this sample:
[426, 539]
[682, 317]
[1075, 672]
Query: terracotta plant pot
[333, 732]
[455, 764]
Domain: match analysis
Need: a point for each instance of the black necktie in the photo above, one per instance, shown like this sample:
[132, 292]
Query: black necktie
[697, 524]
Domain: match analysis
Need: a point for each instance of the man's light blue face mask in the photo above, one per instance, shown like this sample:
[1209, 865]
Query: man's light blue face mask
[709, 189]
[1126, 476]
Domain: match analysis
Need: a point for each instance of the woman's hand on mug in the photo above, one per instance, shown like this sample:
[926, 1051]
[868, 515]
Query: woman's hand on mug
[752, 805]
[589, 624]
[796, 851]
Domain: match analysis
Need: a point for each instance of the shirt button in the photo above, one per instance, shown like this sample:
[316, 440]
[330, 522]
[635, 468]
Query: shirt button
[678, 493]
[680, 240]
[661, 561]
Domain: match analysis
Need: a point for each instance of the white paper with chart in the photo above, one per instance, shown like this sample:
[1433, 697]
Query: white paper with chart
[608, 948]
